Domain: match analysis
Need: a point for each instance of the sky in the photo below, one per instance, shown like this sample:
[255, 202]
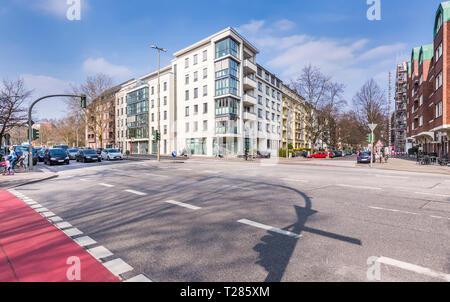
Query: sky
[39, 44]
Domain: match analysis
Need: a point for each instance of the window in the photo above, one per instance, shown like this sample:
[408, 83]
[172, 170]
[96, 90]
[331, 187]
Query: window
[421, 121]
[267, 77]
[260, 102]
[273, 116]
[227, 46]
[195, 93]
[259, 126]
[439, 81]
[153, 103]
[205, 55]
[267, 115]
[260, 113]
[153, 117]
[153, 90]
[205, 73]
[165, 129]
[195, 59]
[439, 110]
[205, 90]
[186, 79]
[421, 100]
[187, 127]
[438, 52]
[260, 86]
[195, 126]
[267, 103]
[186, 63]
[440, 21]
[165, 86]
[267, 90]
[205, 108]
[205, 125]
[421, 79]
[195, 109]
[187, 111]
[165, 101]
[196, 76]
[186, 97]
[165, 115]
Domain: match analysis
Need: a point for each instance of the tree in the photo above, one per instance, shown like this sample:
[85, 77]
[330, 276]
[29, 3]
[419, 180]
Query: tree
[12, 112]
[351, 132]
[323, 99]
[94, 87]
[372, 107]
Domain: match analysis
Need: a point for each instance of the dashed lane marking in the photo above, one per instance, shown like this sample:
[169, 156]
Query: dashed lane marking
[182, 204]
[156, 175]
[118, 266]
[433, 194]
[139, 278]
[394, 210]
[268, 228]
[85, 241]
[358, 187]
[72, 232]
[136, 192]
[106, 185]
[100, 252]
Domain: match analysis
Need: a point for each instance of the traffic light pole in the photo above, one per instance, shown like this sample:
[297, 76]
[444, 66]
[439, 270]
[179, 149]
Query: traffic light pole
[30, 128]
[371, 149]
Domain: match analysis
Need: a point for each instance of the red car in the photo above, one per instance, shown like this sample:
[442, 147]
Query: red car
[321, 154]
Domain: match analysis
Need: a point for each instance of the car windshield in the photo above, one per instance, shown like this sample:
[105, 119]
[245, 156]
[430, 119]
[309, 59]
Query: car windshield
[89, 152]
[57, 152]
[363, 154]
[73, 150]
[112, 151]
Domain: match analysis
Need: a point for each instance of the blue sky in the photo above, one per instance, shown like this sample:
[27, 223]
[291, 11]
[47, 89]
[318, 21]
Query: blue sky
[39, 44]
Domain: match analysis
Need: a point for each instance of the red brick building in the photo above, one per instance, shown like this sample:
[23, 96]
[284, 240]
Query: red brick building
[428, 114]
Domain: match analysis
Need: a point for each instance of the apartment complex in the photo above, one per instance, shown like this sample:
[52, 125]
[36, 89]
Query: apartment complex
[215, 100]
[428, 113]
[293, 119]
[100, 125]
[399, 123]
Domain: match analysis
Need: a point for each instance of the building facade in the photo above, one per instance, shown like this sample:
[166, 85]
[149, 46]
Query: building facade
[293, 119]
[399, 123]
[428, 104]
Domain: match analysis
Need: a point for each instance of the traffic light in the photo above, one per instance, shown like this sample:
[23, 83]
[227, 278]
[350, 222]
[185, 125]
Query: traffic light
[83, 102]
[157, 135]
[35, 134]
[369, 138]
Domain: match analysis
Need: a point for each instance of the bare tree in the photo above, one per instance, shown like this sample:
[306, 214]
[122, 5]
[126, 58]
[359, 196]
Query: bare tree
[323, 99]
[351, 132]
[371, 106]
[12, 112]
[94, 87]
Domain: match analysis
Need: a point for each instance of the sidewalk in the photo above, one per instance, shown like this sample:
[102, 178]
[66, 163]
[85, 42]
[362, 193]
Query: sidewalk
[20, 179]
[34, 250]
[411, 166]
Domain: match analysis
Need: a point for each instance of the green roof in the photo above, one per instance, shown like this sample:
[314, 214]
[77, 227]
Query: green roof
[426, 52]
[415, 54]
[443, 8]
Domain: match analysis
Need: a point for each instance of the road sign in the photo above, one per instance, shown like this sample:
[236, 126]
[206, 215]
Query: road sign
[372, 126]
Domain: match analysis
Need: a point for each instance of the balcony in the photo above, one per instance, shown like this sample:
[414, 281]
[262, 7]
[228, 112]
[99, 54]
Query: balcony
[249, 99]
[249, 83]
[249, 116]
[249, 66]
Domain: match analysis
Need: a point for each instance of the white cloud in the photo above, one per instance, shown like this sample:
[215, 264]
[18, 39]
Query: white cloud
[349, 61]
[100, 65]
[251, 28]
[53, 7]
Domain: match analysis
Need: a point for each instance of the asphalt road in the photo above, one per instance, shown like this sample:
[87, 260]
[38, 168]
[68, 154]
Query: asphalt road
[236, 221]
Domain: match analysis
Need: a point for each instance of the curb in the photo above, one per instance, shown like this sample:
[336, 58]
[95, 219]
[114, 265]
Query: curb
[32, 182]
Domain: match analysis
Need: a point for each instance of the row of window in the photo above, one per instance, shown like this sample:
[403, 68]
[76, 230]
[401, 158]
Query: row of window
[195, 59]
[275, 94]
[269, 78]
[195, 126]
[187, 77]
[205, 109]
[437, 114]
[187, 93]
[260, 102]
[260, 115]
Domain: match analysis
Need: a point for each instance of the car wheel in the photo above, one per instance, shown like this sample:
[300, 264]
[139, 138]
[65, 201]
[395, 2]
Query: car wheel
[84, 160]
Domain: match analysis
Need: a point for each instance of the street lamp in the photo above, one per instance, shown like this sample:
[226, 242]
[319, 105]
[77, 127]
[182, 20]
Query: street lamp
[158, 136]
[372, 128]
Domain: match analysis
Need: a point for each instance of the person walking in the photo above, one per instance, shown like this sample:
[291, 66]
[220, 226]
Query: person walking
[12, 158]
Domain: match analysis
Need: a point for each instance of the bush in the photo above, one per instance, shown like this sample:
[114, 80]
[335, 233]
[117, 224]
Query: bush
[413, 151]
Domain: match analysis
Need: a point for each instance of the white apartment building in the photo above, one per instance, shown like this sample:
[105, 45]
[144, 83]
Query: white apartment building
[137, 114]
[219, 101]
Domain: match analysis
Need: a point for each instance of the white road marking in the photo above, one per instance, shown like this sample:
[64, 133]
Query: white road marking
[391, 176]
[63, 225]
[82, 179]
[72, 232]
[139, 278]
[106, 185]
[393, 210]
[358, 187]
[414, 268]
[211, 172]
[433, 194]
[178, 170]
[136, 192]
[84, 241]
[36, 206]
[182, 204]
[31, 203]
[118, 266]
[55, 219]
[438, 217]
[41, 210]
[268, 228]
[100, 252]
[45, 170]
[48, 214]
[156, 175]
[296, 180]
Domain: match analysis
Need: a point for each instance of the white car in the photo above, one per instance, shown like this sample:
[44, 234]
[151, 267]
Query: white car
[111, 154]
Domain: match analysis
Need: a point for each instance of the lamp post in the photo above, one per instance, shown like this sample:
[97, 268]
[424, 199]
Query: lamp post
[158, 136]
[372, 128]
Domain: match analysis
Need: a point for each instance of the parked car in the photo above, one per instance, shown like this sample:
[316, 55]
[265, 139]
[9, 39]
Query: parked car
[338, 154]
[263, 154]
[61, 147]
[72, 153]
[40, 154]
[320, 154]
[363, 157]
[348, 152]
[99, 150]
[56, 156]
[111, 154]
[87, 155]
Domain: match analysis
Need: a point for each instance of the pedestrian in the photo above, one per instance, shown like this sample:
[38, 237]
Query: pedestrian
[12, 158]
